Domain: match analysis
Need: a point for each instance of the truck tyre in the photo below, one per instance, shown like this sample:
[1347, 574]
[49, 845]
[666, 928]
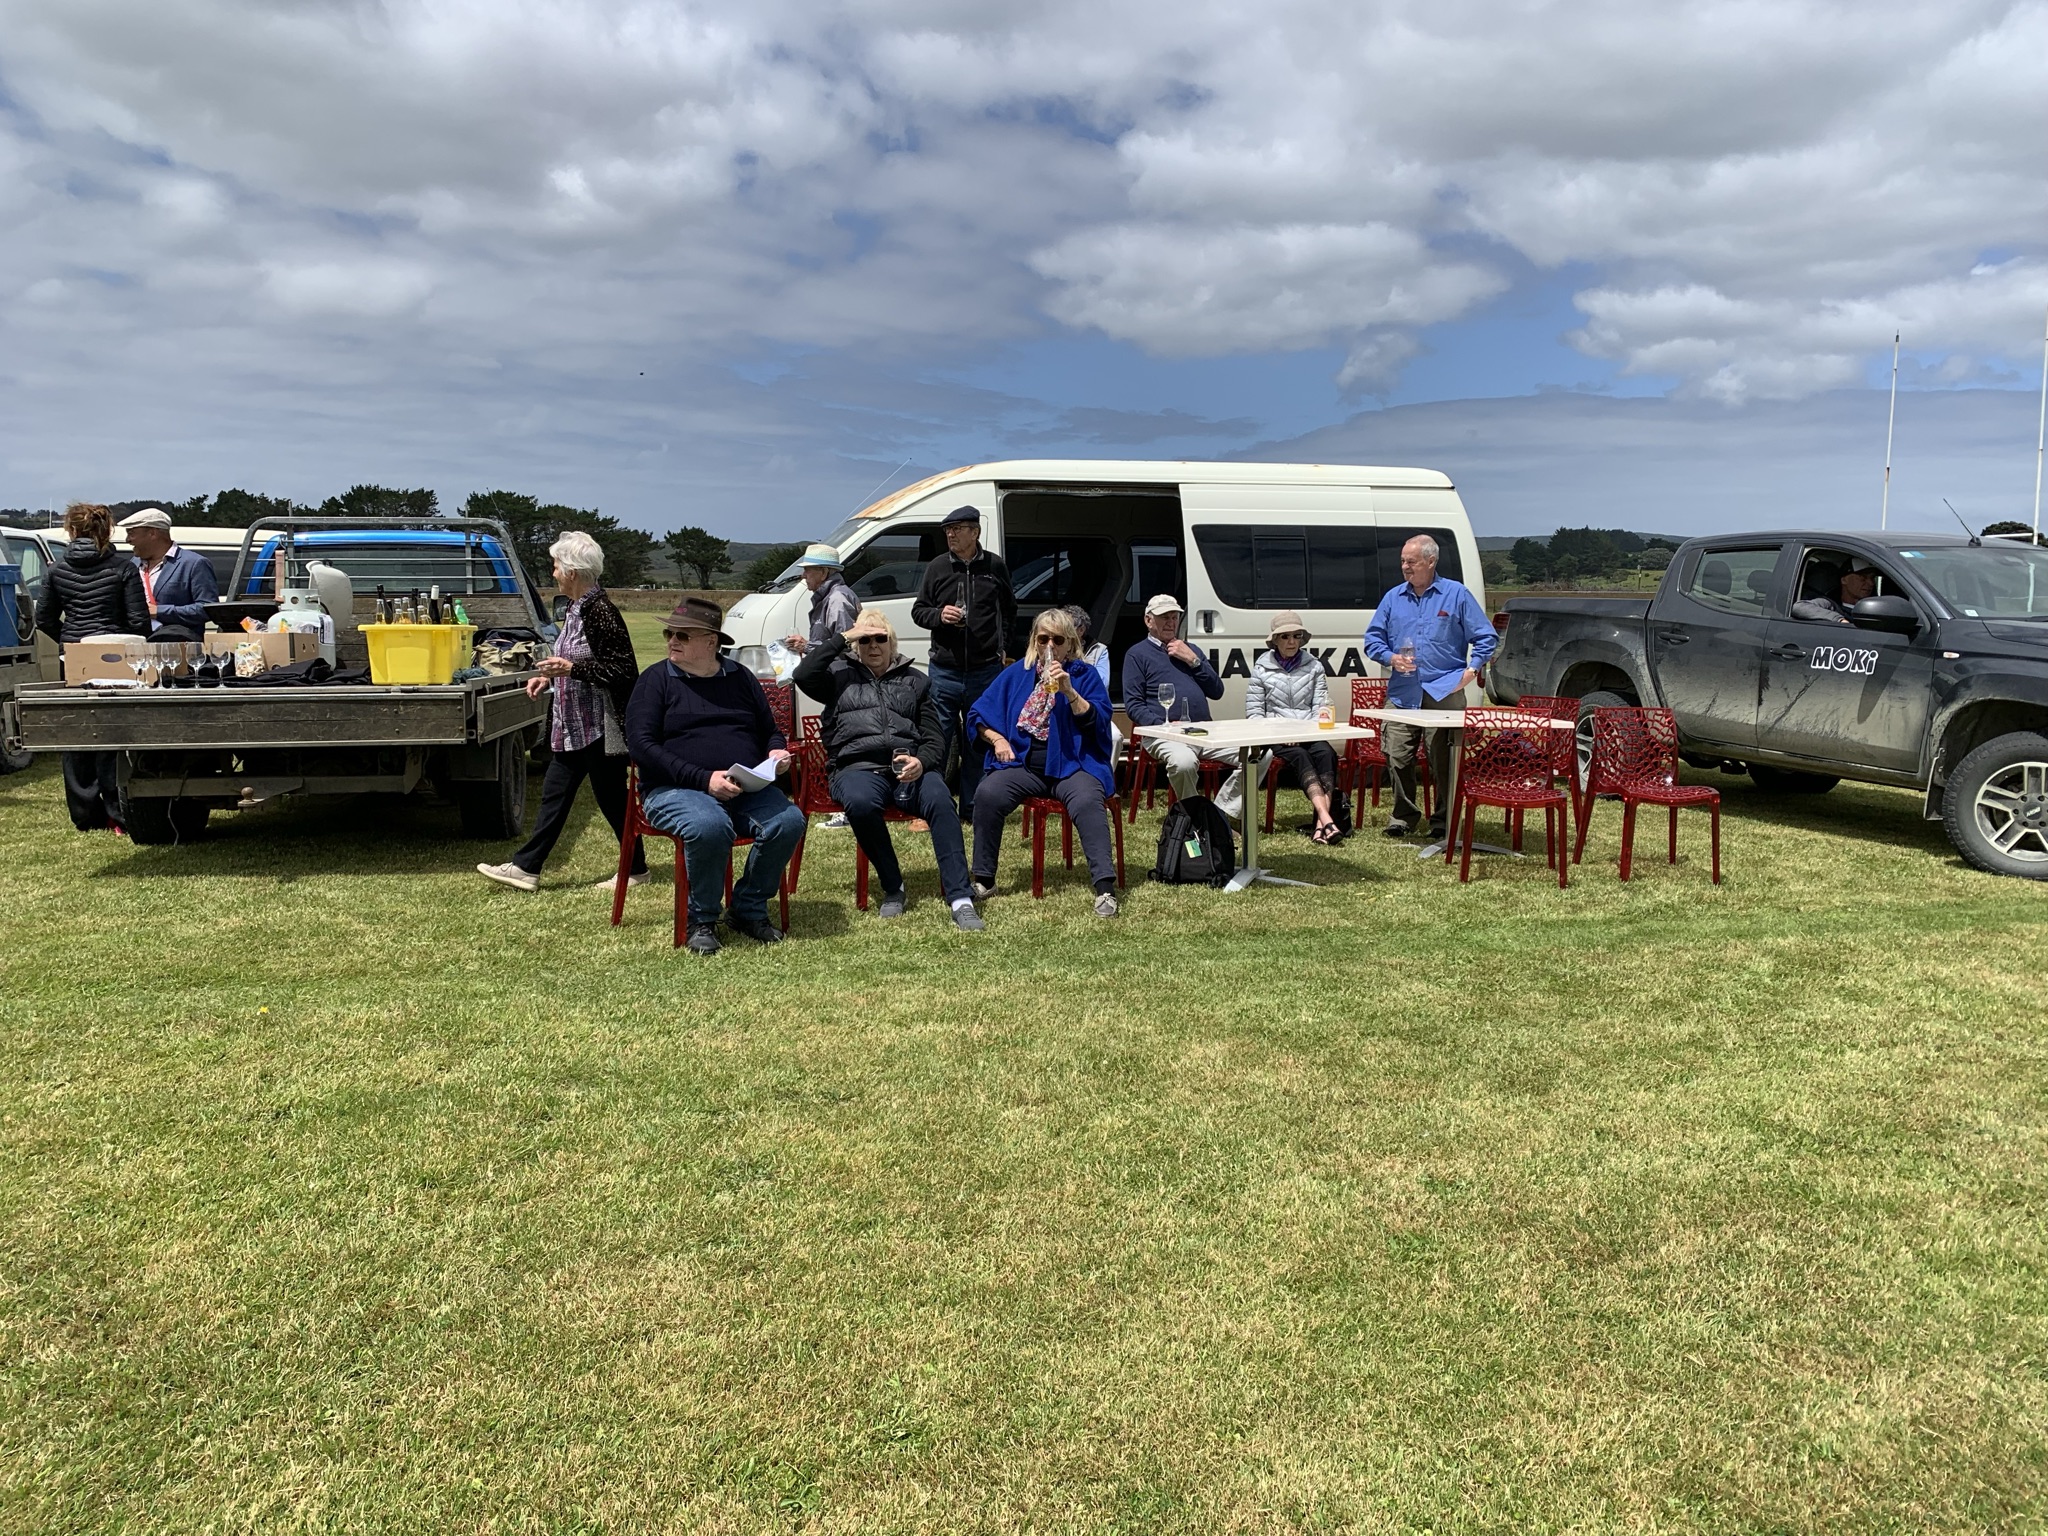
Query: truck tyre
[1995, 806]
[1789, 781]
[1587, 705]
[13, 758]
[158, 821]
[495, 810]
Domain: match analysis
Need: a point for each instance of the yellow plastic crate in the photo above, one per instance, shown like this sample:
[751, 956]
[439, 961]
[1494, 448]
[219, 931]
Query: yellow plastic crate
[418, 653]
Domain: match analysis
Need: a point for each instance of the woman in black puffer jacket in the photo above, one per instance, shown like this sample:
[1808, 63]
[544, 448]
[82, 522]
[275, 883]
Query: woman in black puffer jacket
[95, 589]
[882, 735]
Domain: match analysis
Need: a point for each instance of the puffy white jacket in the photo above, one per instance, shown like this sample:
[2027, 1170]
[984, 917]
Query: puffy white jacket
[1272, 691]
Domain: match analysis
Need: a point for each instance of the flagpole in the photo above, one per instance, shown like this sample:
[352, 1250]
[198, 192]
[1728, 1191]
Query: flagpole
[2041, 432]
[1885, 510]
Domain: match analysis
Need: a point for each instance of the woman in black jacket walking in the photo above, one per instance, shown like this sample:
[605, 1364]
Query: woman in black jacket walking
[882, 734]
[95, 589]
[592, 672]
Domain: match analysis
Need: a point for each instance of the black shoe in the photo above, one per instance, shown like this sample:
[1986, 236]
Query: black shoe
[703, 939]
[759, 929]
[1395, 829]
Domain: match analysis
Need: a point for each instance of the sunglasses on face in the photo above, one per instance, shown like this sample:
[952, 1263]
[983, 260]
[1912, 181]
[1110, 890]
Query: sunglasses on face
[678, 636]
[1049, 640]
[1294, 634]
[871, 640]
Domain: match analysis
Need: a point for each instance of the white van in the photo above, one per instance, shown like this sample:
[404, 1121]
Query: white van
[1233, 542]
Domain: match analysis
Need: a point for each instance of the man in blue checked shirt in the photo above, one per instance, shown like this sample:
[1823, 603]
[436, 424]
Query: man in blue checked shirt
[1423, 632]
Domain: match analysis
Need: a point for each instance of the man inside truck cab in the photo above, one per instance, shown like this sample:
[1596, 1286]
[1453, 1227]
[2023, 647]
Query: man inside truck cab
[1858, 581]
[967, 603]
[1433, 637]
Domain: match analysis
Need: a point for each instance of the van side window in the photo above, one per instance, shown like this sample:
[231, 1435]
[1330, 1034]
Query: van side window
[1733, 580]
[892, 564]
[1259, 565]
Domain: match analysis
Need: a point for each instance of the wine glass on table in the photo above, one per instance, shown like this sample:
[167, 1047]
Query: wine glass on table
[1167, 695]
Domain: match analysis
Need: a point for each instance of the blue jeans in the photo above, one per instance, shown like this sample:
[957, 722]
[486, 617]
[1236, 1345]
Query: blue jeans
[708, 827]
[864, 792]
[955, 692]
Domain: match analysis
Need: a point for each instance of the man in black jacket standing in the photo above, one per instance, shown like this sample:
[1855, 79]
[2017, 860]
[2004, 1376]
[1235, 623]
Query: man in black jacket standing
[967, 604]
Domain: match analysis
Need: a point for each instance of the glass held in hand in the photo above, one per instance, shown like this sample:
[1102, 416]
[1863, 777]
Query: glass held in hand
[1406, 655]
[1167, 695]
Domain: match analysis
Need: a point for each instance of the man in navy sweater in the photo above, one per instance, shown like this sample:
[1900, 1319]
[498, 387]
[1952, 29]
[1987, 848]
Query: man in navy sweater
[1163, 658]
[692, 718]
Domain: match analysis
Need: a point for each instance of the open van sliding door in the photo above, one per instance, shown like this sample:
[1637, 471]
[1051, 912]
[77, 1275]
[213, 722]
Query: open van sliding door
[1253, 549]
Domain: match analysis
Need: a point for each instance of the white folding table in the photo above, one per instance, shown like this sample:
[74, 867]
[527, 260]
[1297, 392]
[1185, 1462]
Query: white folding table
[1247, 736]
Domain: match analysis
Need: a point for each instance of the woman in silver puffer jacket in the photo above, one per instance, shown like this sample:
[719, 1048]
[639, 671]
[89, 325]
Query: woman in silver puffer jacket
[1288, 683]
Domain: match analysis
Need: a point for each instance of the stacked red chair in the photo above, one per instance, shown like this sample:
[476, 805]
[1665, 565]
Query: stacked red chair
[1635, 757]
[638, 826]
[1506, 762]
[1365, 758]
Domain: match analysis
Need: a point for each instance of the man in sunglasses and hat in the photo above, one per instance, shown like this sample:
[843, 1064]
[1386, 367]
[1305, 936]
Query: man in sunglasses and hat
[693, 717]
[967, 603]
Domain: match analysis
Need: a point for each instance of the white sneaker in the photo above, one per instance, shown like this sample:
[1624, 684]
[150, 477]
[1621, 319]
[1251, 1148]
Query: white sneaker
[836, 822]
[1105, 905]
[510, 874]
[611, 882]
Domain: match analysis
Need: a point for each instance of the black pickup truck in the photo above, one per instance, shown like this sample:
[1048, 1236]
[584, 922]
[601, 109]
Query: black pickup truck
[1937, 680]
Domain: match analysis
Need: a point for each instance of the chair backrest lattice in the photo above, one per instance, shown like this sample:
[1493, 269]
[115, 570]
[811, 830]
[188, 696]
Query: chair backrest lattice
[782, 703]
[813, 787]
[1557, 707]
[1368, 693]
[1633, 747]
[1506, 749]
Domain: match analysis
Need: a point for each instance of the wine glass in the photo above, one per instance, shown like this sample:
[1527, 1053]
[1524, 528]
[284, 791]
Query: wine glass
[1166, 697]
[138, 660]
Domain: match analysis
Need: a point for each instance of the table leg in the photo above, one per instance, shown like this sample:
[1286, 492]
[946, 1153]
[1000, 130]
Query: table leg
[1250, 817]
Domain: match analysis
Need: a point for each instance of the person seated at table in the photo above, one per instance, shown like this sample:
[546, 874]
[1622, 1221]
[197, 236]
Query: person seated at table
[1096, 655]
[1045, 721]
[1162, 658]
[1288, 683]
[691, 718]
[886, 748]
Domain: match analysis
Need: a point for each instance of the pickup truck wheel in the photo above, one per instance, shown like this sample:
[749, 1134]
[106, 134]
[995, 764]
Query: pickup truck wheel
[13, 759]
[1587, 705]
[1789, 781]
[1995, 806]
[158, 821]
[495, 810]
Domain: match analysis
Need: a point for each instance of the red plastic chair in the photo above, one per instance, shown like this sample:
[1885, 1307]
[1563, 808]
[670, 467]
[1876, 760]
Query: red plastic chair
[1145, 777]
[1038, 807]
[814, 797]
[1635, 756]
[638, 826]
[1505, 762]
[782, 704]
[1565, 745]
[1365, 759]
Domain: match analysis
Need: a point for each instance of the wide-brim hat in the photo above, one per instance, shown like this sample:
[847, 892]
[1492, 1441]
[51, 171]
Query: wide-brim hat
[1286, 621]
[697, 613]
[821, 554]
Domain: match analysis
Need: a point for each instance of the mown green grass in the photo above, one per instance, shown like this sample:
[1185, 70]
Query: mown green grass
[340, 1191]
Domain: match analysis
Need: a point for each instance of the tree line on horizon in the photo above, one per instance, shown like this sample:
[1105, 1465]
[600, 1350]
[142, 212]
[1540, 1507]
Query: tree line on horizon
[629, 553]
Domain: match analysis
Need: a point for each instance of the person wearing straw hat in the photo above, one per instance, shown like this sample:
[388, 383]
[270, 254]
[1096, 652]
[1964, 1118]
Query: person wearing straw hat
[693, 717]
[833, 603]
[1288, 683]
[882, 736]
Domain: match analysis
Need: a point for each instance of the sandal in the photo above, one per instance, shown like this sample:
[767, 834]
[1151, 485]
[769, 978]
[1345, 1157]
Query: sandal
[1327, 835]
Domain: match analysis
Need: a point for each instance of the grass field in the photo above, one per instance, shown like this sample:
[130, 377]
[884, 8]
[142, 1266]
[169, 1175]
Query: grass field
[340, 1191]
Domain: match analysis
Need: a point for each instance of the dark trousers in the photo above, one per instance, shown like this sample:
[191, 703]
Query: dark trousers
[955, 692]
[1312, 762]
[92, 790]
[1004, 790]
[1400, 742]
[864, 790]
[565, 775]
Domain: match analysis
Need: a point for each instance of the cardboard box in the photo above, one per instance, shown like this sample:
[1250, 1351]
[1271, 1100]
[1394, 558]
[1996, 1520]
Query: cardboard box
[278, 650]
[105, 658]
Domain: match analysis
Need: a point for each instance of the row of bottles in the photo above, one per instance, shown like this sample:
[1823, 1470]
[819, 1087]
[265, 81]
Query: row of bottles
[415, 609]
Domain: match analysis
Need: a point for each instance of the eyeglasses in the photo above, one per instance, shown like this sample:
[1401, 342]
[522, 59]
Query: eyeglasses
[673, 635]
[1293, 634]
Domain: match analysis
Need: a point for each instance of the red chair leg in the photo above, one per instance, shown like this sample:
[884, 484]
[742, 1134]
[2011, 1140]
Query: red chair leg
[1038, 858]
[1556, 840]
[1465, 863]
[1674, 834]
[1515, 817]
[1584, 816]
[1628, 835]
[785, 902]
[625, 870]
[1714, 810]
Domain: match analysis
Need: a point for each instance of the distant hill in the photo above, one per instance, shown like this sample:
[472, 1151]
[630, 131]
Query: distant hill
[1505, 542]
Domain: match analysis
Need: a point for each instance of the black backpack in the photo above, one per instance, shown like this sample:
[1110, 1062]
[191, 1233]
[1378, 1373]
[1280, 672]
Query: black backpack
[1195, 846]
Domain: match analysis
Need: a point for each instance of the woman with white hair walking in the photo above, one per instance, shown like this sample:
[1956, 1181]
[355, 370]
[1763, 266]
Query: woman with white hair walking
[592, 672]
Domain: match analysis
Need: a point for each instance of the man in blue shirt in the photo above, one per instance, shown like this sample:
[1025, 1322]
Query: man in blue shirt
[1423, 632]
[178, 582]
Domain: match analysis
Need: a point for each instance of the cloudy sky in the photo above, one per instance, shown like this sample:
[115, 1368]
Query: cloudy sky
[738, 264]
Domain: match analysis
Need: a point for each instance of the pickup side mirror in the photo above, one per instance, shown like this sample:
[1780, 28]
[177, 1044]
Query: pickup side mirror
[559, 608]
[1887, 612]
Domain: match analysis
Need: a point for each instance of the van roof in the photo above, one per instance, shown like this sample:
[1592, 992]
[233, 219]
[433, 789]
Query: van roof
[1182, 470]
